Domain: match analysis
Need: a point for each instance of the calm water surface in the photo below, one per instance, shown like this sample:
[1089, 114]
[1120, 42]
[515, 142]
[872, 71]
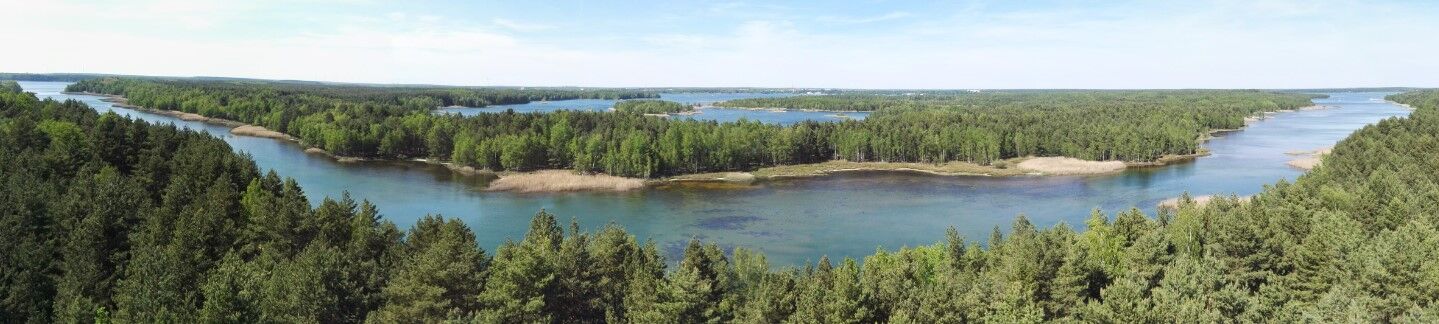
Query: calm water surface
[693, 98]
[798, 220]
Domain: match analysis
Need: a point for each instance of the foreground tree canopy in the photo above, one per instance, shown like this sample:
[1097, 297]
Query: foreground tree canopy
[398, 122]
[111, 219]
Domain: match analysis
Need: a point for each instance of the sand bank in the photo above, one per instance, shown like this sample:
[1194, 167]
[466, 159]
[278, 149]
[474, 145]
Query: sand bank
[1307, 160]
[1173, 203]
[1306, 163]
[1030, 166]
[562, 180]
[338, 158]
[239, 128]
[715, 177]
[258, 131]
[185, 116]
[840, 166]
[121, 102]
[1070, 166]
[1399, 104]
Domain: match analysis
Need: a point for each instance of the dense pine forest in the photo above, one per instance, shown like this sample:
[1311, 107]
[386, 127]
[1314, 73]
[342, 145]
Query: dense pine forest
[399, 122]
[111, 219]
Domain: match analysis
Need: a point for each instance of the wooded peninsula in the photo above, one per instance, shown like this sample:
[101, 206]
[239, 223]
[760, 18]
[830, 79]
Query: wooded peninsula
[979, 128]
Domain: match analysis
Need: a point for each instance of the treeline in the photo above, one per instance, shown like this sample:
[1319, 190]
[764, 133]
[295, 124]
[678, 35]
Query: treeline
[651, 107]
[50, 77]
[111, 219]
[1019, 100]
[1417, 99]
[379, 122]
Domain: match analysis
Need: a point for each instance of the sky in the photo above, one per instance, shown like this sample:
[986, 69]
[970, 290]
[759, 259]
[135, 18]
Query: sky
[812, 44]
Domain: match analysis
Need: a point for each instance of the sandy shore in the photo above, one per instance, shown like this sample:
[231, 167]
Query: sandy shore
[1265, 115]
[120, 101]
[562, 180]
[841, 166]
[1025, 166]
[782, 109]
[739, 177]
[1028, 166]
[1399, 104]
[258, 131]
[1173, 203]
[1307, 160]
[1058, 165]
[239, 128]
[1305, 163]
[337, 158]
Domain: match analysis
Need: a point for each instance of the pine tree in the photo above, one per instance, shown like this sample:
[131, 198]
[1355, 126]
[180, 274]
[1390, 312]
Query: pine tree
[442, 273]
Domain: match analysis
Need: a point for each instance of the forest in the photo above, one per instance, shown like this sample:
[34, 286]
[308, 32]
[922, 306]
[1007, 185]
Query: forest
[109, 219]
[400, 122]
[651, 107]
[10, 86]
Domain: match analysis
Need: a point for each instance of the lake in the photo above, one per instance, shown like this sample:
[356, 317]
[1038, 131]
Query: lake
[706, 112]
[794, 221]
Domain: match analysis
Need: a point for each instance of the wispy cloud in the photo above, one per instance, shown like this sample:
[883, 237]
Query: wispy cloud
[865, 20]
[521, 26]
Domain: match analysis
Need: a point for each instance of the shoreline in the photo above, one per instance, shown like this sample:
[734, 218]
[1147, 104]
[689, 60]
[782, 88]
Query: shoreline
[969, 169]
[553, 181]
[549, 181]
[236, 127]
[1392, 102]
[780, 109]
[1022, 166]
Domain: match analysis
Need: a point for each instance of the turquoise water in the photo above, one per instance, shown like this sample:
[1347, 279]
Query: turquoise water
[798, 220]
[705, 99]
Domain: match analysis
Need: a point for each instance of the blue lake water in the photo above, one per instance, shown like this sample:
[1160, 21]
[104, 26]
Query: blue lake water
[705, 99]
[798, 220]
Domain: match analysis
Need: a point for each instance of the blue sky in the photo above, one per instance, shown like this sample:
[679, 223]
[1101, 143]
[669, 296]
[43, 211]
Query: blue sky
[850, 44]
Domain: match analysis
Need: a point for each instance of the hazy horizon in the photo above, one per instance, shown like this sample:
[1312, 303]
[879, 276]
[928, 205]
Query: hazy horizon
[1276, 44]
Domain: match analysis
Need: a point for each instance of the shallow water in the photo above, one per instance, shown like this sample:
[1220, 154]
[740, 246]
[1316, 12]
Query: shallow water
[705, 99]
[798, 220]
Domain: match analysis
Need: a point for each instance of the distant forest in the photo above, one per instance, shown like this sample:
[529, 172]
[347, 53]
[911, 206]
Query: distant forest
[399, 122]
[109, 219]
[51, 77]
